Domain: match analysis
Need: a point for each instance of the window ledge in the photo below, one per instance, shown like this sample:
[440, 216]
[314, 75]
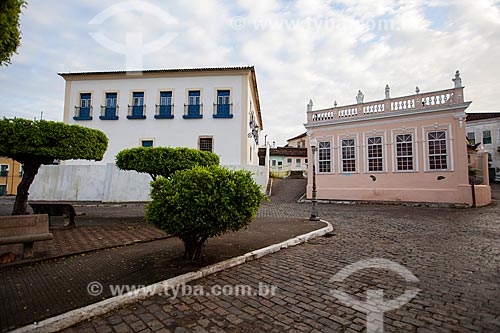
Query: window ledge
[223, 116]
[164, 116]
[82, 118]
[108, 117]
[136, 117]
[188, 116]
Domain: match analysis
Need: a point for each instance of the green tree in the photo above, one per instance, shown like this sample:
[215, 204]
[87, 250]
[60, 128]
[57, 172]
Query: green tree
[10, 29]
[203, 202]
[163, 161]
[34, 143]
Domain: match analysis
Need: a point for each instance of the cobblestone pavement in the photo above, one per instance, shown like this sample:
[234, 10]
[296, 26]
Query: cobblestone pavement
[455, 254]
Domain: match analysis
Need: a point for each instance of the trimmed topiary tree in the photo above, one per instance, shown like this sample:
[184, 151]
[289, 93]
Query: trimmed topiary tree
[163, 161]
[203, 202]
[34, 143]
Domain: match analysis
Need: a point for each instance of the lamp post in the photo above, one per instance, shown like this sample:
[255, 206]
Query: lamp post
[314, 209]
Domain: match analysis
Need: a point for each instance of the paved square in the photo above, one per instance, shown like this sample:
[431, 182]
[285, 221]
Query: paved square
[455, 254]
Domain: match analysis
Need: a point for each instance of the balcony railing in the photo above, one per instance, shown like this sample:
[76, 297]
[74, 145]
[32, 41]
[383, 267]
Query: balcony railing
[223, 110]
[82, 113]
[136, 112]
[193, 111]
[164, 111]
[420, 101]
[109, 112]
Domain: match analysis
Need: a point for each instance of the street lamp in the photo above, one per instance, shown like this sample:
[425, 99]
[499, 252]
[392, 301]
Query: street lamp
[314, 209]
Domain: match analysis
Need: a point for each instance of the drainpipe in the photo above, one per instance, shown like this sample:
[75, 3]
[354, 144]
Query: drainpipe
[473, 187]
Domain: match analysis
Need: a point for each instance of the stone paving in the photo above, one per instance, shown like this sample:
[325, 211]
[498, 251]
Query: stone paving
[455, 254]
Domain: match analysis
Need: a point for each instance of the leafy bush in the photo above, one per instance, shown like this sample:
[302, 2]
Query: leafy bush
[203, 202]
[34, 143]
[163, 161]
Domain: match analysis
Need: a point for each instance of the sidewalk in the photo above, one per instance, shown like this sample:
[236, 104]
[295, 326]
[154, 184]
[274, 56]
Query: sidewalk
[36, 291]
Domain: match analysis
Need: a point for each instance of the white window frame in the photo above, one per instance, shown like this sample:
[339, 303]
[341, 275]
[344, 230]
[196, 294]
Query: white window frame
[415, 151]
[473, 136]
[330, 148]
[367, 153]
[449, 146]
[491, 139]
[342, 158]
[298, 162]
[429, 155]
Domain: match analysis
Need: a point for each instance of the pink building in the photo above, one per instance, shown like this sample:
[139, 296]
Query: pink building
[408, 149]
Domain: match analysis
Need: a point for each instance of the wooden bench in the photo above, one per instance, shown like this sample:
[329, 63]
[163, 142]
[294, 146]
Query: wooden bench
[25, 229]
[56, 209]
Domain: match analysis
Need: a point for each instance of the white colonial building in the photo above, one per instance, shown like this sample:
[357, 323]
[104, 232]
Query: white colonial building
[215, 109]
[211, 109]
[483, 129]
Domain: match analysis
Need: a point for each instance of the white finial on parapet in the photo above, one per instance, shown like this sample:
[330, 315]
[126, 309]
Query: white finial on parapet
[387, 92]
[457, 80]
[310, 105]
[360, 97]
[417, 90]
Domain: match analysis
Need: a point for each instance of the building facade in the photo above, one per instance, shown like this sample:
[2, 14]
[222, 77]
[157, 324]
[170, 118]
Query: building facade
[210, 109]
[213, 109]
[409, 149]
[11, 173]
[300, 141]
[484, 129]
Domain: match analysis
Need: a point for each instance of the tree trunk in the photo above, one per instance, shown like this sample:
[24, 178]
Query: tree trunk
[21, 203]
[192, 249]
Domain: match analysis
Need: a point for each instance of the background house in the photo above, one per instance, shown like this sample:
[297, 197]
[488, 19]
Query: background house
[300, 141]
[411, 148]
[11, 173]
[211, 109]
[484, 129]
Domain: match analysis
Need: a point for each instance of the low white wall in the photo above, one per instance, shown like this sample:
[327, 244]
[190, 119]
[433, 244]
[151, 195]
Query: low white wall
[104, 183]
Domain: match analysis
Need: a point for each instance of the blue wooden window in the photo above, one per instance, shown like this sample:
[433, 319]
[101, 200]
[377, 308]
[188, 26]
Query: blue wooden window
[85, 104]
[165, 103]
[147, 143]
[83, 111]
[137, 104]
[110, 110]
[194, 103]
[223, 104]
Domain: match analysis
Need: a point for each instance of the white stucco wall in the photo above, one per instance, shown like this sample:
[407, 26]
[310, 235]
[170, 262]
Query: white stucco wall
[229, 135]
[105, 183]
[493, 125]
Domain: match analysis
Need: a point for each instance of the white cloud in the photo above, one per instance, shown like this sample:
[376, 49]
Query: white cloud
[320, 49]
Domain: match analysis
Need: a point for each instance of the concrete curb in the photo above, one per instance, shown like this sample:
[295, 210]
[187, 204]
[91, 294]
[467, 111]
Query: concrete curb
[73, 317]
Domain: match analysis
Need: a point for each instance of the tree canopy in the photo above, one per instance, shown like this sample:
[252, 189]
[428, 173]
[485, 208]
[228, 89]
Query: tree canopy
[10, 29]
[163, 161]
[203, 202]
[34, 143]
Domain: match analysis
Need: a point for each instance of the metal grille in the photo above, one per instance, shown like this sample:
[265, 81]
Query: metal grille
[206, 144]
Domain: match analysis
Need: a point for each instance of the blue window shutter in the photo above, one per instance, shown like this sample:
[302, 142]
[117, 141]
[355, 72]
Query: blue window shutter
[194, 103]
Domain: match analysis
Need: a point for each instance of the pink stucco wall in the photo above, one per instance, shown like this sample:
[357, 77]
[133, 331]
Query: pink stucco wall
[422, 185]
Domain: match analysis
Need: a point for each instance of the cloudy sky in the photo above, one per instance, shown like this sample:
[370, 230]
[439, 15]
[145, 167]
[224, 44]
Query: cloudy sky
[302, 49]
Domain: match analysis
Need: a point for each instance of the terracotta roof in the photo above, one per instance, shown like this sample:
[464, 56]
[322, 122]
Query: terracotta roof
[482, 115]
[251, 69]
[288, 151]
[163, 70]
[298, 136]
